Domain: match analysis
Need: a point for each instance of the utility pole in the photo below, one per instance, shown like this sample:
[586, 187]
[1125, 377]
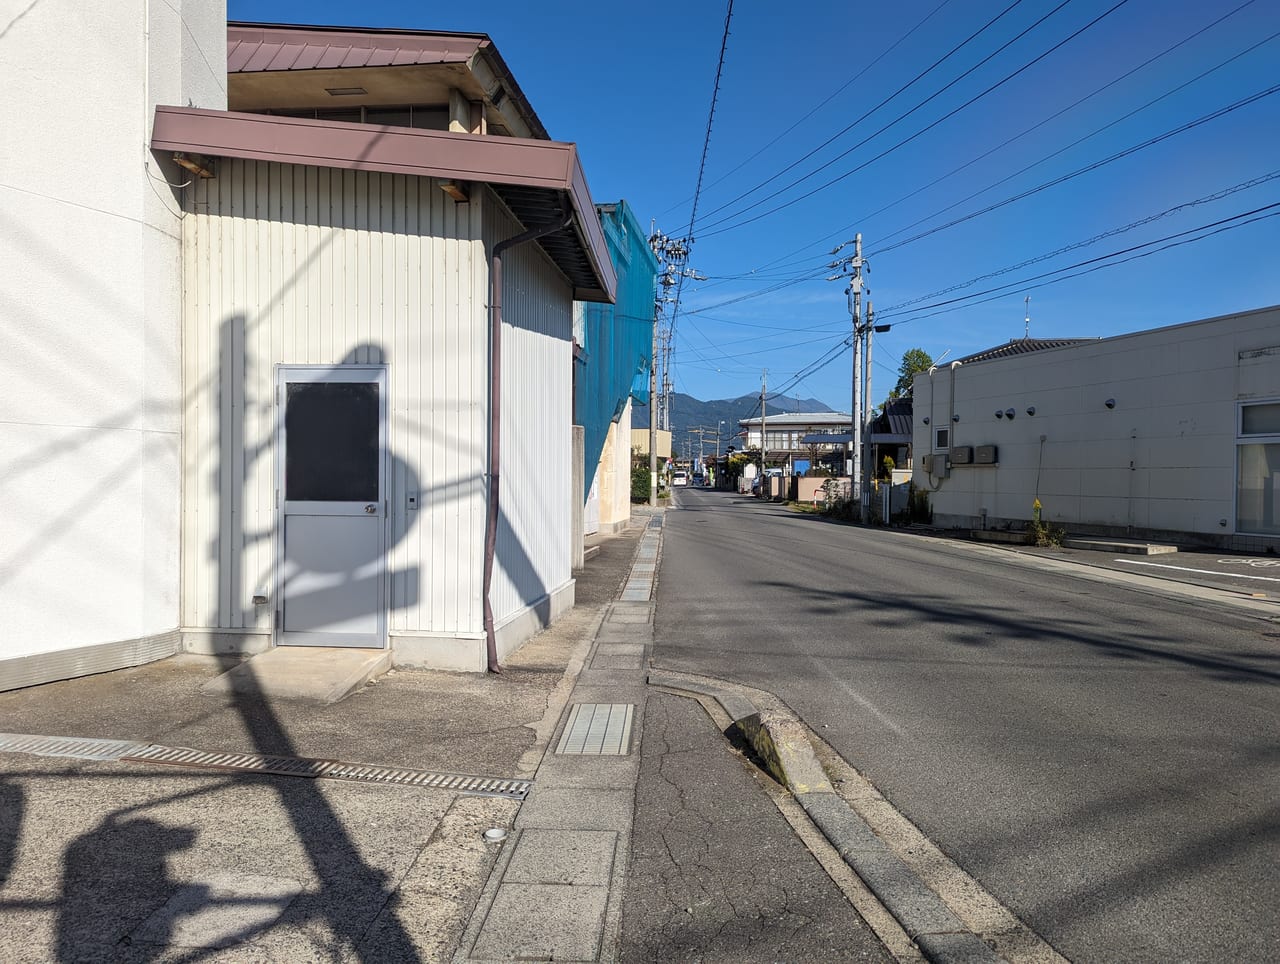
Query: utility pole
[673, 255]
[764, 379]
[868, 468]
[653, 410]
[851, 267]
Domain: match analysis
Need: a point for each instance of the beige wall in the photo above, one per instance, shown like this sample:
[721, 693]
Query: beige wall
[614, 476]
[640, 442]
[1162, 460]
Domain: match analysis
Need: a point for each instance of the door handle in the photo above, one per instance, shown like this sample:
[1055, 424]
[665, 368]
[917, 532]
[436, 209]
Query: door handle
[370, 508]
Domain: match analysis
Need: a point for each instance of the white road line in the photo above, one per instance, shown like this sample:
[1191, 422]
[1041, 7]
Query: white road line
[1206, 572]
[857, 697]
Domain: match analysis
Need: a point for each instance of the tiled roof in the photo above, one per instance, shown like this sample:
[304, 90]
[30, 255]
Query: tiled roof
[895, 419]
[1022, 346]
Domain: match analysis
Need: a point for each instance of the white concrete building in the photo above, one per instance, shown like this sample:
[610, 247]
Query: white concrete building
[90, 380]
[261, 399]
[1172, 433]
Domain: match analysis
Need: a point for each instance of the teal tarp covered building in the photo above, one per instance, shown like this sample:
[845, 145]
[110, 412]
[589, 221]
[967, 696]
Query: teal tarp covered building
[614, 342]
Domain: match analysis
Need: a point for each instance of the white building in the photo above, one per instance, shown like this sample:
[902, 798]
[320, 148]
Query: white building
[90, 344]
[1171, 433]
[266, 403]
[784, 432]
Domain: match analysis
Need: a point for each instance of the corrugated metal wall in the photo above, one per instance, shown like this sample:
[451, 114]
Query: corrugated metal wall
[533, 552]
[300, 265]
[617, 339]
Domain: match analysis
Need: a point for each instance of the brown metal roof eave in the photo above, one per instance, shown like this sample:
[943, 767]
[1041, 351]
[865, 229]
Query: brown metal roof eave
[285, 43]
[519, 162]
[255, 47]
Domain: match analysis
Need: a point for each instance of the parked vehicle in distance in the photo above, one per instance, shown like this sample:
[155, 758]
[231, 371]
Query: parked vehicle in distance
[699, 479]
[680, 478]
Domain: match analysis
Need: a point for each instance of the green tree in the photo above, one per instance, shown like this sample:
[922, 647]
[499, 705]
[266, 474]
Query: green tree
[914, 361]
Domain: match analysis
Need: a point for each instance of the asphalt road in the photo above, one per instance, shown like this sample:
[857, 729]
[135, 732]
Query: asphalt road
[1105, 761]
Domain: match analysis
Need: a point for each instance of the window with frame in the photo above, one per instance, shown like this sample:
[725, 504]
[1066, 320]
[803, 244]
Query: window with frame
[1258, 468]
[941, 439]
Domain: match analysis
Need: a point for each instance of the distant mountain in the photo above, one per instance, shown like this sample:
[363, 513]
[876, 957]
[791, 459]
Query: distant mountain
[688, 413]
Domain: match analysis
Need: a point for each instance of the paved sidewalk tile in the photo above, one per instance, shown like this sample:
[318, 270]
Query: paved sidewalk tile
[543, 922]
[577, 809]
[577, 857]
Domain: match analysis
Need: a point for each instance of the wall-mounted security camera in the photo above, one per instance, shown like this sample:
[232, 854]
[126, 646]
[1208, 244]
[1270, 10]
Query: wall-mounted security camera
[1110, 403]
[1031, 409]
[999, 414]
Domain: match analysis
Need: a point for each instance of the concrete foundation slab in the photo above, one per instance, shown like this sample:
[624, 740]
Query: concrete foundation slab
[315, 673]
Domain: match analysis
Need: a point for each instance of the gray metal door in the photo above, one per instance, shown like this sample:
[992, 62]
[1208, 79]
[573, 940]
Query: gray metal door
[332, 479]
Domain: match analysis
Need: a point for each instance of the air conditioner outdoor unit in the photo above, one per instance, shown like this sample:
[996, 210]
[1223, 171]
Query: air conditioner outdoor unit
[962, 455]
[986, 455]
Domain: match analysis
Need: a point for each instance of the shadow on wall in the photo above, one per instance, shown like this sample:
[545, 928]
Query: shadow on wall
[337, 571]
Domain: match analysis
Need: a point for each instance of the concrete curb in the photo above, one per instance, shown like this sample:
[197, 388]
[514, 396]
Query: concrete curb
[784, 749]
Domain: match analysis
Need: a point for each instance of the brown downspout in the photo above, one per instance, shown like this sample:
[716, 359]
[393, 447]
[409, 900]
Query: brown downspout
[495, 416]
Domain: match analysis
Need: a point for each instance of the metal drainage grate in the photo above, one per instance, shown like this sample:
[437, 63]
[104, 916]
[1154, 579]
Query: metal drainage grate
[598, 729]
[73, 747]
[333, 770]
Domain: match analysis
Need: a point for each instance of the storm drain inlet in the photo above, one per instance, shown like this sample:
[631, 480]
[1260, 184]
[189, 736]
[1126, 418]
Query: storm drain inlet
[81, 748]
[69, 747]
[332, 770]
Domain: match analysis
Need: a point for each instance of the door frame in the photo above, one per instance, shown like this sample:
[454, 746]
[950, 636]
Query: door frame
[285, 373]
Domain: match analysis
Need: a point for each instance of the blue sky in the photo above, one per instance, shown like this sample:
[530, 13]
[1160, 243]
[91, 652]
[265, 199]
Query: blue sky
[631, 85]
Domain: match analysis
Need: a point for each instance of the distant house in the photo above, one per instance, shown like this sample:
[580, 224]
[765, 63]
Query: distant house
[890, 434]
[1169, 433]
[785, 433]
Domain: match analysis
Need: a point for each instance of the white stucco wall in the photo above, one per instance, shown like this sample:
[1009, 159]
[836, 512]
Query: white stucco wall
[90, 277]
[1162, 460]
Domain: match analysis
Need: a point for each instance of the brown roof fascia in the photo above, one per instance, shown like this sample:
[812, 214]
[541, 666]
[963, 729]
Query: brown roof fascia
[548, 165]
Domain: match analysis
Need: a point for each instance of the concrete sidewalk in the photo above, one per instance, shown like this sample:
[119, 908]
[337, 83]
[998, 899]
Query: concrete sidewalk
[124, 859]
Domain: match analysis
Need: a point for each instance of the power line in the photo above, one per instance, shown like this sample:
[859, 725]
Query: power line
[1190, 125]
[829, 98]
[702, 166]
[924, 73]
[1075, 245]
[1090, 135]
[1055, 116]
[919, 133]
[1221, 225]
[782, 263]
